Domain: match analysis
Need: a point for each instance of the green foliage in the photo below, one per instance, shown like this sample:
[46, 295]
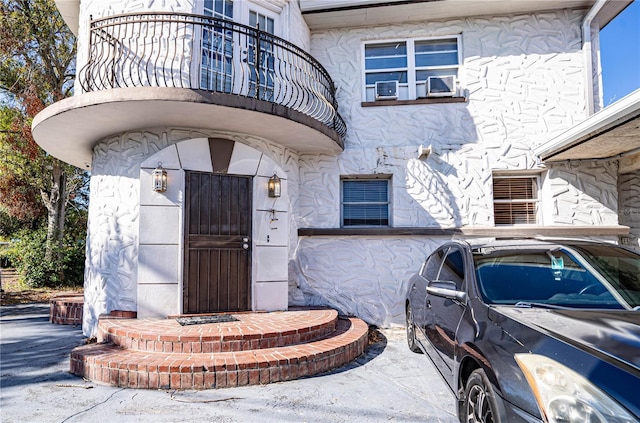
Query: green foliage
[38, 50]
[42, 200]
[27, 254]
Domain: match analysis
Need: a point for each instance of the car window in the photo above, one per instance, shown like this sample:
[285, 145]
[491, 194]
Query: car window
[549, 276]
[620, 267]
[433, 264]
[453, 268]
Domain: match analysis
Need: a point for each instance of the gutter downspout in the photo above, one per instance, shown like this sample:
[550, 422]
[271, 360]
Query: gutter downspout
[588, 55]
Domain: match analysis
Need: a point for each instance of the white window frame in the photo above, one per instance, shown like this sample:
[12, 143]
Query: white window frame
[242, 9]
[222, 75]
[536, 201]
[386, 178]
[408, 90]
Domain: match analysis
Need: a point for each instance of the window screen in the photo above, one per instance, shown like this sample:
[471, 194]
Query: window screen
[365, 202]
[515, 200]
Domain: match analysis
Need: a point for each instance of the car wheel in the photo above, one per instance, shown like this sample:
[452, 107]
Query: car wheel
[479, 400]
[411, 332]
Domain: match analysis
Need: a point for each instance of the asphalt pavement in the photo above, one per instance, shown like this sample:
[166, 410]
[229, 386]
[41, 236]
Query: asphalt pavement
[387, 384]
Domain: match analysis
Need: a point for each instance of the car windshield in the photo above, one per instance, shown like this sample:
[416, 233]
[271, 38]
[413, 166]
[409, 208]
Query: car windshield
[577, 276]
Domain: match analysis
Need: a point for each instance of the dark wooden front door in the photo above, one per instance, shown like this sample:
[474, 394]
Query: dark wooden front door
[217, 271]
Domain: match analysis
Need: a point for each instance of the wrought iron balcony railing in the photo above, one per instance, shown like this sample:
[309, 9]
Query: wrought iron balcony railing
[206, 53]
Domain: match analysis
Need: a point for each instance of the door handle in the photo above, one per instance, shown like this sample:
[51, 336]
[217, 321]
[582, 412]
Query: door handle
[245, 246]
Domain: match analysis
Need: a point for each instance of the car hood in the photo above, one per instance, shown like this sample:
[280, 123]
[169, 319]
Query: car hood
[611, 333]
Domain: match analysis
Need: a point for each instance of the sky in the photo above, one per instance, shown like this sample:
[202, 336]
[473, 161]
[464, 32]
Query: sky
[620, 54]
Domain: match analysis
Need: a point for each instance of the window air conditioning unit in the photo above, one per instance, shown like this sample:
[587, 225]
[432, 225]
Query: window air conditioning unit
[386, 90]
[441, 86]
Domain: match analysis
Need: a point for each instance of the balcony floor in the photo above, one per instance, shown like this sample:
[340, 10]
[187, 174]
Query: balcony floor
[70, 129]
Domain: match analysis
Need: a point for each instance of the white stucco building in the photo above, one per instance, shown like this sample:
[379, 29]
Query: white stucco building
[392, 126]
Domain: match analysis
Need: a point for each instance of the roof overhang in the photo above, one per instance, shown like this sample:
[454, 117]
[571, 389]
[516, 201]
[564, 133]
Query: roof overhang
[612, 133]
[325, 14]
[70, 12]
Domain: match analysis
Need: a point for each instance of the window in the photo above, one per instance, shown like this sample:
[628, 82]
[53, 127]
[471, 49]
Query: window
[217, 49]
[453, 268]
[420, 67]
[515, 200]
[433, 264]
[365, 202]
[262, 89]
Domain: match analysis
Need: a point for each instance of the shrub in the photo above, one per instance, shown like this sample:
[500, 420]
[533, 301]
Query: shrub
[28, 255]
[5, 259]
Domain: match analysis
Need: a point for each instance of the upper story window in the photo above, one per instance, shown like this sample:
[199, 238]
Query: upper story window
[222, 9]
[228, 56]
[217, 49]
[515, 200]
[365, 202]
[412, 68]
[261, 79]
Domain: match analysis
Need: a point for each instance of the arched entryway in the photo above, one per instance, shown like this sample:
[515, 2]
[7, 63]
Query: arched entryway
[214, 241]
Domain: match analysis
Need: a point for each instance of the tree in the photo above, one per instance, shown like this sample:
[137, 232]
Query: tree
[37, 68]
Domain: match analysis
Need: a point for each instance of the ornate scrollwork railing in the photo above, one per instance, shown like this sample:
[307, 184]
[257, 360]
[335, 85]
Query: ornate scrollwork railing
[206, 53]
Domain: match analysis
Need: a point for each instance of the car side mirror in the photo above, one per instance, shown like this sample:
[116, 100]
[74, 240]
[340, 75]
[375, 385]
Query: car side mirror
[446, 289]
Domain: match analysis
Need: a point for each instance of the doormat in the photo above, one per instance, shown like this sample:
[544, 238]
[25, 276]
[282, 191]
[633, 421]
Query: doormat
[202, 320]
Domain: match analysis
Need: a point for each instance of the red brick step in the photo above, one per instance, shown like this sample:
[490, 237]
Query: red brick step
[134, 368]
[251, 331]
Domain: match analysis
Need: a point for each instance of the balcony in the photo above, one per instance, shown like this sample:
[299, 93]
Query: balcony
[149, 70]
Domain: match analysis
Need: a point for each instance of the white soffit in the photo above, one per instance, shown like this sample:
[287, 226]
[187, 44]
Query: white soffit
[70, 12]
[612, 132]
[325, 14]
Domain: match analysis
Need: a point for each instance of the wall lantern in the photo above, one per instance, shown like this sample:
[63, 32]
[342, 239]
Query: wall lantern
[159, 179]
[274, 186]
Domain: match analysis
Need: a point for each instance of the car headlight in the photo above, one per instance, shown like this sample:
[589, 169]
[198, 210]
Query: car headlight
[564, 396]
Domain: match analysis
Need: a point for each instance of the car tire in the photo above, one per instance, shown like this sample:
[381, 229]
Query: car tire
[480, 404]
[411, 332]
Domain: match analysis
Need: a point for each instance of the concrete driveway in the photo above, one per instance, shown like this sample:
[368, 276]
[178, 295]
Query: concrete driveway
[388, 383]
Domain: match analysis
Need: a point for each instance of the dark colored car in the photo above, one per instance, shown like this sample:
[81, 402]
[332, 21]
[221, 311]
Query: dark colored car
[532, 330]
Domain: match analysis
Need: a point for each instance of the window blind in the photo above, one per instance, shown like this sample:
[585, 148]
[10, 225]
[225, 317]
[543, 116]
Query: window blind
[365, 202]
[515, 200]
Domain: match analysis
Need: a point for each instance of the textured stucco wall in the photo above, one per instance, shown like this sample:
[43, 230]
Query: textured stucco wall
[297, 29]
[362, 276]
[113, 233]
[291, 27]
[629, 210]
[524, 80]
[100, 8]
[581, 194]
[524, 77]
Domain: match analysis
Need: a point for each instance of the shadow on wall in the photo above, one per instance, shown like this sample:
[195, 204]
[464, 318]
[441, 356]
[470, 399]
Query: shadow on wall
[359, 276]
[366, 276]
[584, 193]
[442, 184]
[112, 250]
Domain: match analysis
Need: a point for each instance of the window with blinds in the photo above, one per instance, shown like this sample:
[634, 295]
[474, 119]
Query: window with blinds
[515, 200]
[365, 202]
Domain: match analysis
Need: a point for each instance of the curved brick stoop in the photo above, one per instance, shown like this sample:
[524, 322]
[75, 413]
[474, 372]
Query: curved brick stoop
[260, 348]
